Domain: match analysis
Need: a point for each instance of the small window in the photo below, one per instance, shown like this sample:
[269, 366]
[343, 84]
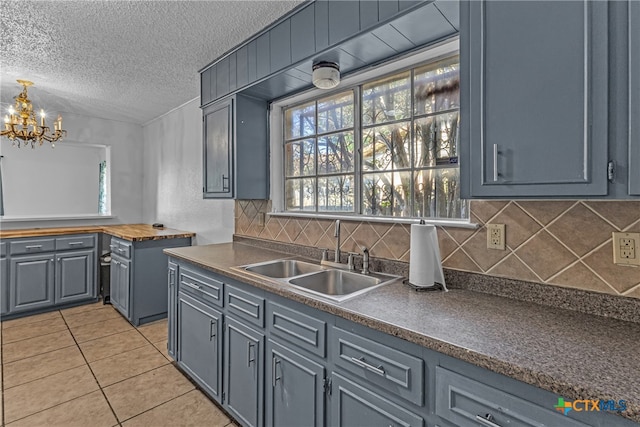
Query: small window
[387, 147]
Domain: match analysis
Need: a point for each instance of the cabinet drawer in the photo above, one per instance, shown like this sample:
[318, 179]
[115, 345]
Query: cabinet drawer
[464, 401]
[202, 287]
[75, 242]
[297, 328]
[383, 366]
[32, 246]
[245, 305]
[120, 247]
[3, 249]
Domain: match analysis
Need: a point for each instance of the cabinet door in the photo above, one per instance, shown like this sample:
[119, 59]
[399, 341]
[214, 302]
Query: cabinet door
[120, 285]
[295, 396]
[4, 287]
[172, 309]
[218, 143]
[534, 95]
[31, 283]
[243, 374]
[634, 97]
[199, 338]
[75, 276]
[354, 405]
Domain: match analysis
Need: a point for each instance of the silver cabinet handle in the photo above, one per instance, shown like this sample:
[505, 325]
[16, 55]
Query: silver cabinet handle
[112, 247]
[114, 262]
[213, 329]
[362, 363]
[225, 187]
[75, 243]
[250, 359]
[172, 277]
[29, 247]
[191, 285]
[51, 260]
[274, 375]
[487, 420]
[495, 162]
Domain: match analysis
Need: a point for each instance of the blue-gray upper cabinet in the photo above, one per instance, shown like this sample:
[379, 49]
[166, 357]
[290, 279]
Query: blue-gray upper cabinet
[344, 20]
[236, 149]
[75, 276]
[208, 85]
[280, 45]
[634, 97]
[243, 373]
[534, 97]
[295, 396]
[218, 149]
[32, 282]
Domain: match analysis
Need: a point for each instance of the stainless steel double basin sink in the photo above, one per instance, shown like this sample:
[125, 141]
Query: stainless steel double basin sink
[332, 283]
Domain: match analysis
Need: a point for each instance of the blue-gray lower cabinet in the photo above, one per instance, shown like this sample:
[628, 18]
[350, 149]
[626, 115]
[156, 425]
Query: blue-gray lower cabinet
[32, 282]
[4, 285]
[355, 405]
[172, 309]
[295, 396]
[139, 277]
[244, 372]
[199, 343]
[120, 284]
[75, 272]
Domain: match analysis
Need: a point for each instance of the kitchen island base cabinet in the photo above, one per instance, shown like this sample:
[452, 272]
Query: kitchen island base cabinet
[296, 392]
[244, 370]
[139, 277]
[200, 335]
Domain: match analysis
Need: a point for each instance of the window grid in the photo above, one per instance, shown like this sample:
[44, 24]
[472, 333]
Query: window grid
[360, 173]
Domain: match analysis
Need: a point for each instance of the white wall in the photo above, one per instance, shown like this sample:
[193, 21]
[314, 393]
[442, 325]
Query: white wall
[66, 182]
[126, 142]
[172, 188]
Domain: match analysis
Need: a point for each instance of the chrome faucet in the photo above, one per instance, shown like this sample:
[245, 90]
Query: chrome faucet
[365, 260]
[337, 236]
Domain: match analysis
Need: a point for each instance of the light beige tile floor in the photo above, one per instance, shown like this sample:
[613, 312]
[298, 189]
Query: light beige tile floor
[88, 366]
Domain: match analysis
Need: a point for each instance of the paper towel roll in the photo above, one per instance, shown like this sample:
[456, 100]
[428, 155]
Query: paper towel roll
[425, 266]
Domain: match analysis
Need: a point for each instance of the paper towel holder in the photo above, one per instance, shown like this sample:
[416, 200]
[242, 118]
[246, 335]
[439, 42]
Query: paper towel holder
[418, 288]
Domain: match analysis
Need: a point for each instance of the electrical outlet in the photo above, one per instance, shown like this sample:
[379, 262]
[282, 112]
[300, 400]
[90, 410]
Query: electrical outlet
[625, 248]
[495, 236]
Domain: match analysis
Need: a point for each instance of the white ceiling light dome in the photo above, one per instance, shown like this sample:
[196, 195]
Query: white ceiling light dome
[326, 75]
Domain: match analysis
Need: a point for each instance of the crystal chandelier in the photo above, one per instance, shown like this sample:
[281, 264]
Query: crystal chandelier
[21, 123]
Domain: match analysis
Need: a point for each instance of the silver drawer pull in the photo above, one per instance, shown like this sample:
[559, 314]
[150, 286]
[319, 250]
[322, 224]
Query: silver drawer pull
[33, 247]
[487, 420]
[191, 285]
[495, 162]
[274, 375]
[250, 359]
[362, 363]
[75, 243]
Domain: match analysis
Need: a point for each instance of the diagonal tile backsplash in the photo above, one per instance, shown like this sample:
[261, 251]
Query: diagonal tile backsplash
[565, 242]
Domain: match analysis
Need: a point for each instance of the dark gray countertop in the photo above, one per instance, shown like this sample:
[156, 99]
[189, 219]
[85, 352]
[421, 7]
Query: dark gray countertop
[572, 354]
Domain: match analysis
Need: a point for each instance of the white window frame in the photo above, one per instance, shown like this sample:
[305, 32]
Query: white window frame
[276, 137]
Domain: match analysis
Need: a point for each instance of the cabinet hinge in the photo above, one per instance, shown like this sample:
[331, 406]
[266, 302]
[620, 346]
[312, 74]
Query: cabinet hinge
[223, 396]
[611, 171]
[326, 386]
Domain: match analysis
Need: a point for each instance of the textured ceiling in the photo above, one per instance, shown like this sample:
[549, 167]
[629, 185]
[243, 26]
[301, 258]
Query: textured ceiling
[123, 60]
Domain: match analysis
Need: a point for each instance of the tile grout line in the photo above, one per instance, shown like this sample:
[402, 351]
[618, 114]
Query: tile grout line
[92, 373]
[160, 404]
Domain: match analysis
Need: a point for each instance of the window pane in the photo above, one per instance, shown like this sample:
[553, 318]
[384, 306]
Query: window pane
[435, 139]
[335, 153]
[437, 86]
[335, 113]
[387, 100]
[299, 158]
[437, 194]
[300, 121]
[335, 193]
[300, 194]
[376, 194]
[386, 147]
